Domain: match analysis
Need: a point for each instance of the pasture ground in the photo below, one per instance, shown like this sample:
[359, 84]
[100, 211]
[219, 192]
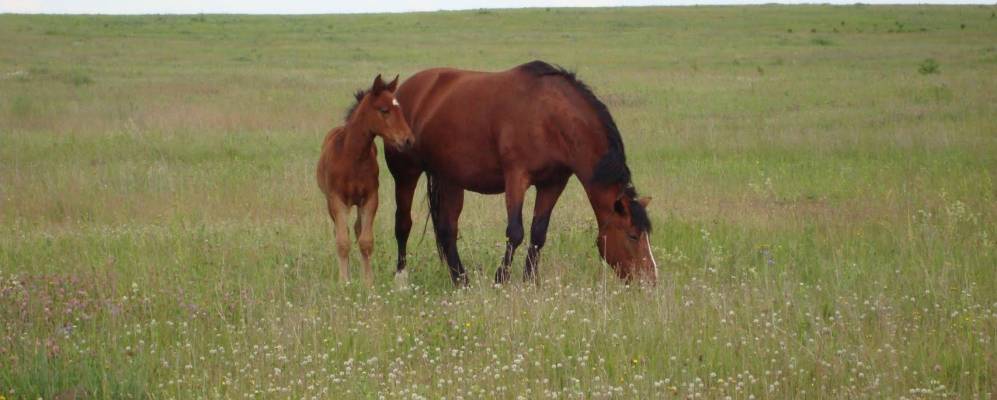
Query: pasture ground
[824, 209]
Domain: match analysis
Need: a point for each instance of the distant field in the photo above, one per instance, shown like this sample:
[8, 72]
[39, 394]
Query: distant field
[824, 208]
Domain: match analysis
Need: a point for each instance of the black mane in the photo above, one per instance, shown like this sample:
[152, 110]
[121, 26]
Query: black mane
[612, 167]
[358, 95]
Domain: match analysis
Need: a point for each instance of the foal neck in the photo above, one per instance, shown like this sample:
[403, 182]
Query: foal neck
[357, 140]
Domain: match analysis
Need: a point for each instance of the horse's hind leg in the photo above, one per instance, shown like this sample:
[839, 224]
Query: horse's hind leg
[547, 196]
[340, 215]
[365, 235]
[516, 184]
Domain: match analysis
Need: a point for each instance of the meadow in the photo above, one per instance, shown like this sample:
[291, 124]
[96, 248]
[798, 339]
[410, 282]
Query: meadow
[824, 210]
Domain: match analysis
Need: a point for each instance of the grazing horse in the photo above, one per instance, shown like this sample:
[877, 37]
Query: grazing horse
[347, 170]
[532, 125]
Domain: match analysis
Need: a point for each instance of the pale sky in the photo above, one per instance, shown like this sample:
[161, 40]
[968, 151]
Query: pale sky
[361, 6]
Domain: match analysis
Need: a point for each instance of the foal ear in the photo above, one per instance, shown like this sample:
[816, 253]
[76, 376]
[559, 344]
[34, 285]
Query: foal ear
[378, 84]
[393, 85]
[644, 201]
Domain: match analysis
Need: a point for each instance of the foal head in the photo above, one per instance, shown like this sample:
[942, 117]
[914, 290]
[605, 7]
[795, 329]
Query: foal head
[378, 111]
[625, 238]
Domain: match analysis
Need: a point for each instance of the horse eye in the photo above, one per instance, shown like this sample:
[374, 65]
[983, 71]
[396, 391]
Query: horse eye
[383, 110]
[633, 237]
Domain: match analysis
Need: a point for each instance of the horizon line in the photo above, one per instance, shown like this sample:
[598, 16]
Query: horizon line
[721, 3]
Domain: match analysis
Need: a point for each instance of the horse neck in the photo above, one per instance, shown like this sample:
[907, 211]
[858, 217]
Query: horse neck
[601, 198]
[601, 195]
[357, 140]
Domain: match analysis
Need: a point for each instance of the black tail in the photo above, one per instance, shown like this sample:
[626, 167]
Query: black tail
[433, 192]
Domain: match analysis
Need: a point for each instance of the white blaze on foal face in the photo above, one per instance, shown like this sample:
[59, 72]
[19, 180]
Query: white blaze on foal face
[394, 102]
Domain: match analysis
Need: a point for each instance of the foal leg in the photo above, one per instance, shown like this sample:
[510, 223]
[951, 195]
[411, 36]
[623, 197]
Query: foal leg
[516, 184]
[547, 196]
[340, 215]
[365, 235]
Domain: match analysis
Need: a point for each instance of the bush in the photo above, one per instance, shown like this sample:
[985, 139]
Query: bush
[79, 78]
[821, 41]
[928, 66]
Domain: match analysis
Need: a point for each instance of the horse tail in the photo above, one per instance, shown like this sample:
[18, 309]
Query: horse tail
[433, 193]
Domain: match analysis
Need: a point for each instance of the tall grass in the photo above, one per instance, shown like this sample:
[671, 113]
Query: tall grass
[824, 213]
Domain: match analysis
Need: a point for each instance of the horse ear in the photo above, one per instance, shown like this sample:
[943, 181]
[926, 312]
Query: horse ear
[378, 84]
[393, 85]
[644, 201]
[620, 207]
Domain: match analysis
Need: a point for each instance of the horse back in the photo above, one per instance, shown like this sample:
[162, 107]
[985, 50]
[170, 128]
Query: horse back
[475, 126]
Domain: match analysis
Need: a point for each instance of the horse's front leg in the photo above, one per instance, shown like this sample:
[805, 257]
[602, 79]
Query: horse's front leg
[450, 202]
[516, 184]
[365, 235]
[547, 196]
[340, 215]
[406, 173]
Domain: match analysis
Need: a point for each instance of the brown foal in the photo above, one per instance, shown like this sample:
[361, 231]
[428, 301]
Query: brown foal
[347, 170]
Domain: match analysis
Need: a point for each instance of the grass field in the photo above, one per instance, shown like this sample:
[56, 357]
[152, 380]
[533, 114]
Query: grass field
[824, 209]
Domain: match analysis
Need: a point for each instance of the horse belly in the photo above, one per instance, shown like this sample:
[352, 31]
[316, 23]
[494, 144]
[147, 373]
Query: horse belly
[476, 172]
[485, 186]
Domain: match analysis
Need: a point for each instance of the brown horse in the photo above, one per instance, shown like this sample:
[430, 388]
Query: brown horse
[347, 170]
[533, 125]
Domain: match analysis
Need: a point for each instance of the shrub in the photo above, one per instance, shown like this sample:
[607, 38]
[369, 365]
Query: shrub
[821, 41]
[79, 78]
[928, 66]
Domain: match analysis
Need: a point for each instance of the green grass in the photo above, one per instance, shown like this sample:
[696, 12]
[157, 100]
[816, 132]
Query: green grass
[824, 210]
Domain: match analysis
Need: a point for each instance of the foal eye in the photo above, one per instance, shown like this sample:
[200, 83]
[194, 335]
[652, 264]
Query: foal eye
[383, 110]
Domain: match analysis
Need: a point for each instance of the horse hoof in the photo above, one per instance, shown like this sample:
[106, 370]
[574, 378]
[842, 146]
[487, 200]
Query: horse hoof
[461, 282]
[401, 280]
[502, 276]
